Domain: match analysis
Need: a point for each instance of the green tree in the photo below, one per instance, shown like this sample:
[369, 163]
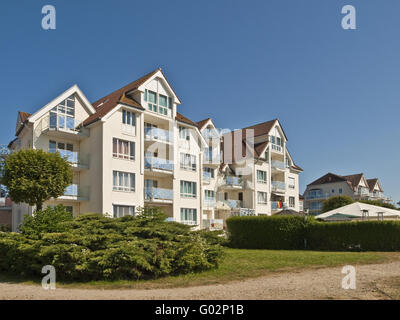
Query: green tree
[34, 176]
[336, 202]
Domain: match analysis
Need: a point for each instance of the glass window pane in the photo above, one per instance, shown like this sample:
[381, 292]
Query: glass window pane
[70, 123]
[163, 100]
[61, 121]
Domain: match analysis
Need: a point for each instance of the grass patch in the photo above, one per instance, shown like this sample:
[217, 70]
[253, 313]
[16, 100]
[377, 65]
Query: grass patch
[239, 264]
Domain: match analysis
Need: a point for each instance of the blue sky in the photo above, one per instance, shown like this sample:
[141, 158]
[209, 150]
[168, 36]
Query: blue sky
[335, 91]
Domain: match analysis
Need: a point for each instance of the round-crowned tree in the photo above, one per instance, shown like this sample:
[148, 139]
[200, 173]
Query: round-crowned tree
[336, 202]
[34, 176]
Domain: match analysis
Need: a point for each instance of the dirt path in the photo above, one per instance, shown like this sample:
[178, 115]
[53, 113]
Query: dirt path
[309, 284]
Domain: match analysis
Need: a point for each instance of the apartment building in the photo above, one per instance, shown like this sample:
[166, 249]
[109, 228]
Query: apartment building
[132, 148]
[356, 186]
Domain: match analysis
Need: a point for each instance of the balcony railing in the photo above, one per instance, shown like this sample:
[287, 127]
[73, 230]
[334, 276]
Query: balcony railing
[157, 134]
[189, 222]
[77, 191]
[233, 204]
[209, 203]
[158, 163]
[62, 123]
[243, 212]
[277, 205]
[278, 186]
[233, 181]
[276, 147]
[5, 202]
[158, 194]
[72, 157]
[212, 157]
[276, 164]
[314, 196]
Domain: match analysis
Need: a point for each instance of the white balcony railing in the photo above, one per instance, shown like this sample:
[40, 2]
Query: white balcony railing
[276, 164]
[76, 191]
[62, 123]
[157, 134]
[158, 163]
[158, 194]
[278, 186]
[73, 157]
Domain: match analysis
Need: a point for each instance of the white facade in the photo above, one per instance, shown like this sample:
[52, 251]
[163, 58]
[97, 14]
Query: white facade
[132, 149]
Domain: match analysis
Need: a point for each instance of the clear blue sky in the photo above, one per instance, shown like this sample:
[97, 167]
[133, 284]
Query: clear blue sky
[335, 91]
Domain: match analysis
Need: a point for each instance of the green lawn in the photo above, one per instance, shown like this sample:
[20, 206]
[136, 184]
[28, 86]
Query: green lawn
[240, 264]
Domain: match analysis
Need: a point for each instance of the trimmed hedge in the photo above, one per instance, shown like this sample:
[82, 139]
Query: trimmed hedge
[294, 233]
[263, 232]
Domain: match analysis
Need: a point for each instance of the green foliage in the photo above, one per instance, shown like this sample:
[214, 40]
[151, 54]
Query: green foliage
[48, 220]
[34, 176]
[5, 228]
[214, 237]
[379, 204]
[306, 233]
[264, 232]
[355, 236]
[336, 202]
[95, 247]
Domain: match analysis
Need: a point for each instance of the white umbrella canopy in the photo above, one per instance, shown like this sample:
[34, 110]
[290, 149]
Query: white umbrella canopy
[356, 211]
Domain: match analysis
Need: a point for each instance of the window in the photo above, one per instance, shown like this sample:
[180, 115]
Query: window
[162, 104]
[262, 197]
[128, 122]
[209, 195]
[340, 190]
[123, 181]
[188, 216]
[63, 115]
[240, 196]
[188, 162]
[123, 149]
[292, 184]
[188, 189]
[261, 176]
[208, 172]
[184, 133]
[69, 209]
[291, 202]
[120, 211]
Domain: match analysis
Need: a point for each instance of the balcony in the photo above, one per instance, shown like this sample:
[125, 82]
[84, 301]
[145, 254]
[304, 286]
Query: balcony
[278, 205]
[158, 165]
[278, 186]
[156, 134]
[158, 195]
[276, 148]
[318, 196]
[209, 203]
[243, 212]
[233, 182]
[75, 192]
[77, 160]
[212, 158]
[62, 127]
[278, 165]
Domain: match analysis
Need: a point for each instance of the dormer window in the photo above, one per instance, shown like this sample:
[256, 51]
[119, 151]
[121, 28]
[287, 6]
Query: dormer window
[160, 105]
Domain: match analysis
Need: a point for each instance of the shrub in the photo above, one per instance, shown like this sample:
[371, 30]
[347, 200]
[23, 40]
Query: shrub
[264, 232]
[48, 220]
[299, 233]
[336, 202]
[95, 247]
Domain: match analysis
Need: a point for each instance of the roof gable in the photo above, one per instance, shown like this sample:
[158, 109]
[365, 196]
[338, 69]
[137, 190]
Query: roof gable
[71, 91]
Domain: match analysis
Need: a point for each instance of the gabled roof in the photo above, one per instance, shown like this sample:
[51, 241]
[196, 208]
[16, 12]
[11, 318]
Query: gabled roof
[202, 123]
[265, 128]
[23, 116]
[180, 117]
[328, 178]
[372, 183]
[110, 101]
[354, 179]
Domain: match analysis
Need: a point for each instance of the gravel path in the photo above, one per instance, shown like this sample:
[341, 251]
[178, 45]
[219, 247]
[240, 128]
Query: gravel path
[322, 283]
